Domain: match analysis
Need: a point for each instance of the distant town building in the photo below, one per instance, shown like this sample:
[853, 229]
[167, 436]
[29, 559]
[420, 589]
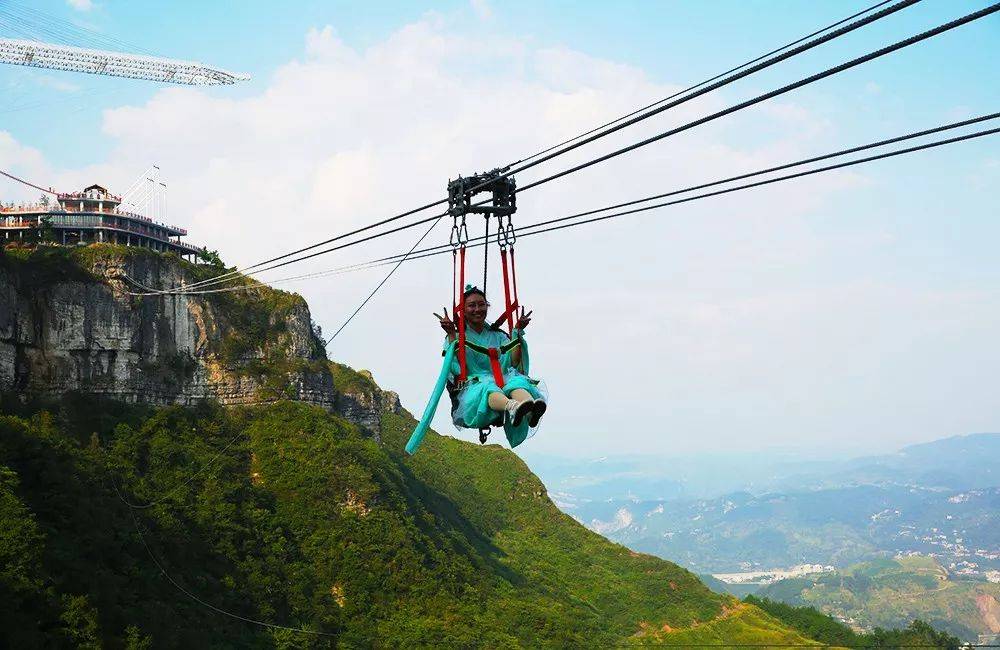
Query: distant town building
[771, 576]
[91, 216]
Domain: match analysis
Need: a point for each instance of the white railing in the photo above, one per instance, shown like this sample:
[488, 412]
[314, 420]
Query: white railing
[94, 222]
[57, 210]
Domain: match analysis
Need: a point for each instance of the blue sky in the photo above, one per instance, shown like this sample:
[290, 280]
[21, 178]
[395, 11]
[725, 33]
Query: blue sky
[677, 41]
[852, 314]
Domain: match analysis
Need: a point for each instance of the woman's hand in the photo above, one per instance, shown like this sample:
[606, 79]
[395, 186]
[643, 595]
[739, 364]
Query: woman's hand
[524, 319]
[446, 323]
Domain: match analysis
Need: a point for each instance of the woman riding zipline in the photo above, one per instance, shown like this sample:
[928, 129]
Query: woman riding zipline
[485, 368]
[481, 402]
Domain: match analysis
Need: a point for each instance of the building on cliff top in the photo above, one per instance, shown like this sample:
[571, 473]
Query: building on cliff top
[92, 216]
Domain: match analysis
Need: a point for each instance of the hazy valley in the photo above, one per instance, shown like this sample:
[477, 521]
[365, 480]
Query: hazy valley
[787, 529]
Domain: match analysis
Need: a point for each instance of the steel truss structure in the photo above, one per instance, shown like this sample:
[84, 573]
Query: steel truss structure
[114, 64]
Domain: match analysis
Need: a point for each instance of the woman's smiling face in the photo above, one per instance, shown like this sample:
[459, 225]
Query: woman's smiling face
[475, 309]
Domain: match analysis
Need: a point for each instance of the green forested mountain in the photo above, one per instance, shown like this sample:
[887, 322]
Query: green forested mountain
[827, 629]
[289, 518]
[292, 516]
[892, 592]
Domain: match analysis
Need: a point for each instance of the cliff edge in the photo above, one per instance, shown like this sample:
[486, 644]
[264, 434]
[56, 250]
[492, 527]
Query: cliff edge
[70, 321]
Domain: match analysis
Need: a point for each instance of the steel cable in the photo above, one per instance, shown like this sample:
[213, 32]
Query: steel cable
[194, 597]
[718, 84]
[379, 286]
[535, 229]
[889, 49]
[421, 253]
[722, 82]
[938, 143]
[444, 247]
[732, 109]
[700, 84]
[835, 154]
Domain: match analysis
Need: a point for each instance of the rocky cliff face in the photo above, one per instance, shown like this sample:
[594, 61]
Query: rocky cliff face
[69, 322]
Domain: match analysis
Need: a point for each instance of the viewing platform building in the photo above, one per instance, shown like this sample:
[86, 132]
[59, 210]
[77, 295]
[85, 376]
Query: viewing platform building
[91, 216]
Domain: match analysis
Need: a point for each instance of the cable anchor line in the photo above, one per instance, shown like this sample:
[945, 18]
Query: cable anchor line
[29, 183]
[191, 595]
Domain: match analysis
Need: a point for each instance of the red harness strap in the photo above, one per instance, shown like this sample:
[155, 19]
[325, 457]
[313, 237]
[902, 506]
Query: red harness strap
[511, 307]
[513, 277]
[495, 365]
[460, 318]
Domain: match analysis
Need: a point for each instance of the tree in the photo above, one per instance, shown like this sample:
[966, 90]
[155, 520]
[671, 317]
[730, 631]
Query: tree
[80, 622]
[46, 232]
[211, 257]
[135, 640]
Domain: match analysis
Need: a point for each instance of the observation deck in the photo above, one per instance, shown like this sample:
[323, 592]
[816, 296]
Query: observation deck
[91, 216]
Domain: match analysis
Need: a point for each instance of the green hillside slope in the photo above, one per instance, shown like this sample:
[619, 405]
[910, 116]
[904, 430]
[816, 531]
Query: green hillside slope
[626, 594]
[891, 593]
[827, 629]
[292, 516]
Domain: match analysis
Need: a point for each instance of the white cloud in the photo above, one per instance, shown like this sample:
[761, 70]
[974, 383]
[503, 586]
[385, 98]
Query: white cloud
[986, 174]
[81, 5]
[56, 84]
[482, 8]
[26, 162]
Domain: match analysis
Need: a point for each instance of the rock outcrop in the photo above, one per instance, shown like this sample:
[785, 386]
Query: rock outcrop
[70, 321]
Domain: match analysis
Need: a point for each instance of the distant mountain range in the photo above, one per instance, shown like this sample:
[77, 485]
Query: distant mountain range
[959, 463]
[837, 526]
[914, 534]
[940, 498]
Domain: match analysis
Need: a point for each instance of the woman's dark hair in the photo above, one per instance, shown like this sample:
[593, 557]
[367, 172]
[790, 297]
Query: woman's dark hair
[472, 290]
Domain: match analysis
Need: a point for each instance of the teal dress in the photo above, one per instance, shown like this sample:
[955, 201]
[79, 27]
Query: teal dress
[471, 407]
